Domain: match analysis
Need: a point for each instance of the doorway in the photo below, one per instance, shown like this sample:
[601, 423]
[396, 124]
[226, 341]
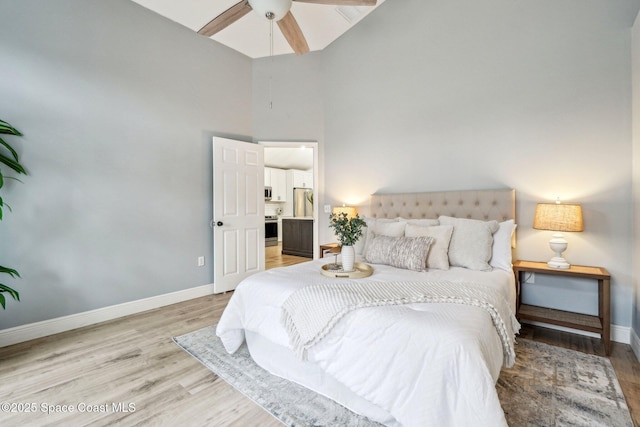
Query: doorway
[293, 156]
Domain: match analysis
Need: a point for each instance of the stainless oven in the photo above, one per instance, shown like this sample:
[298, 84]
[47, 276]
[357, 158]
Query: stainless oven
[271, 230]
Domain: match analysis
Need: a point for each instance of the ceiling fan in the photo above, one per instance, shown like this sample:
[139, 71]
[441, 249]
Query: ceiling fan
[274, 10]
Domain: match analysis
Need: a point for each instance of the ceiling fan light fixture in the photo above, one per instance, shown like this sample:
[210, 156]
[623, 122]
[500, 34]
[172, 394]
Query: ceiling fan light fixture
[271, 9]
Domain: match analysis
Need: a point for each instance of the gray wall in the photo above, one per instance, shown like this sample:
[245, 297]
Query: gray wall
[288, 104]
[464, 94]
[287, 98]
[636, 173]
[118, 106]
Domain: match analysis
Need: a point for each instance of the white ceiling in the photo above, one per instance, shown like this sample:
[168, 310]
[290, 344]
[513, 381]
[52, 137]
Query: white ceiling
[289, 158]
[321, 24]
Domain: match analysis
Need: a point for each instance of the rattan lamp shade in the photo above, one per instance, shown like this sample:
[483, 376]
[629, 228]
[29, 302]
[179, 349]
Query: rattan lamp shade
[349, 210]
[558, 217]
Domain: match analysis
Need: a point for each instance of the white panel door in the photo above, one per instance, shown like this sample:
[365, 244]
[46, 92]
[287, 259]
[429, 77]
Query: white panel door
[238, 212]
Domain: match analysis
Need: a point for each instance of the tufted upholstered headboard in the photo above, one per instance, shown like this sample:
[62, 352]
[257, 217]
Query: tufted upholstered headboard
[474, 204]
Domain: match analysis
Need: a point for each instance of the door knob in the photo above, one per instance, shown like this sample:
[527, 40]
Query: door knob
[219, 224]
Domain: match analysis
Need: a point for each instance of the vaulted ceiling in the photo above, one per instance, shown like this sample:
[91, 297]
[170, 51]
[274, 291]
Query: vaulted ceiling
[321, 24]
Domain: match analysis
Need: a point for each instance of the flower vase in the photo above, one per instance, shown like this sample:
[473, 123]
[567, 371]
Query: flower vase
[348, 257]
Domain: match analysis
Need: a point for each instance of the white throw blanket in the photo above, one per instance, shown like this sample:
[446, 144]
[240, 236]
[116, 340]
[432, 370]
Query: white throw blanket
[310, 313]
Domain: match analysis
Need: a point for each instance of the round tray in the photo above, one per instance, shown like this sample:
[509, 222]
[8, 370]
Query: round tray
[361, 270]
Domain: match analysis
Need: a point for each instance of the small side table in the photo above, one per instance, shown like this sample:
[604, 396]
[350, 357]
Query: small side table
[600, 324]
[326, 248]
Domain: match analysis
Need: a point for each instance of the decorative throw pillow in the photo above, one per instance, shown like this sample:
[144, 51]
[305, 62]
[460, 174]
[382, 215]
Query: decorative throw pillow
[471, 242]
[438, 256]
[501, 249]
[384, 227]
[409, 253]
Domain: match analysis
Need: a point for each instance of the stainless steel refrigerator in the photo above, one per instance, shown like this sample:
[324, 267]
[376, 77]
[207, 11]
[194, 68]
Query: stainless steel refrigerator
[303, 202]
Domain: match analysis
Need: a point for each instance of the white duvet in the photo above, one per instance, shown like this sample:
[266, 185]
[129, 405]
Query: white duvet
[425, 364]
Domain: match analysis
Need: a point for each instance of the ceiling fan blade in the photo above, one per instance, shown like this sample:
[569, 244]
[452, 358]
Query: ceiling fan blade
[342, 2]
[292, 32]
[226, 18]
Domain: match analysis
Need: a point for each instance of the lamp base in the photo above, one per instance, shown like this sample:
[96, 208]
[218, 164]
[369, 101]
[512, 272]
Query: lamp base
[558, 245]
[558, 262]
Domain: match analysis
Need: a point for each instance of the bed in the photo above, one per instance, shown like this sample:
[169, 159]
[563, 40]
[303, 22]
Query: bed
[426, 346]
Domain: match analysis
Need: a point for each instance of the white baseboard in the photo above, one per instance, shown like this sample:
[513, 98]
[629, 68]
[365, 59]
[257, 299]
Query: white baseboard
[66, 323]
[620, 334]
[635, 344]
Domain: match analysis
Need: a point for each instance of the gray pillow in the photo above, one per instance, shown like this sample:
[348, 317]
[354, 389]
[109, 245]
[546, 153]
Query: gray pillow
[471, 242]
[409, 253]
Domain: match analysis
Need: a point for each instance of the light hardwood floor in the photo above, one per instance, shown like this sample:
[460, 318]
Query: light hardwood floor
[275, 258]
[133, 360]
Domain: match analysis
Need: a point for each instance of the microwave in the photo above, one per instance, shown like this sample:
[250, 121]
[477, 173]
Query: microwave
[267, 193]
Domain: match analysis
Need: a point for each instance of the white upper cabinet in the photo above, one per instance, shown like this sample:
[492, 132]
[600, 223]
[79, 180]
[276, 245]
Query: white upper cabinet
[267, 177]
[302, 179]
[277, 180]
[278, 185]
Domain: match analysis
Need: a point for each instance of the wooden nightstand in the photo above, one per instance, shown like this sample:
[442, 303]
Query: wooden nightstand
[600, 324]
[326, 248]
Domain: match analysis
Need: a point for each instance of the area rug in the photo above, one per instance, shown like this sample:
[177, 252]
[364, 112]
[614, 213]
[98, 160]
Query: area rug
[553, 386]
[548, 386]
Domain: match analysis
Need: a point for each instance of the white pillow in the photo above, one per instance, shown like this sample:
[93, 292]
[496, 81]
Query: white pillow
[438, 256]
[471, 242]
[362, 241]
[359, 245]
[424, 222]
[501, 250]
[384, 227]
[409, 253]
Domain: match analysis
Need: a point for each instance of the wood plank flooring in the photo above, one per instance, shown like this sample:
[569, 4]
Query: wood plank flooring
[275, 258]
[133, 361]
[129, 361]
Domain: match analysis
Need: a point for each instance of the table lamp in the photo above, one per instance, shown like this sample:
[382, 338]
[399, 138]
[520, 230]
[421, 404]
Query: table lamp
[558, 217]
[349, 210]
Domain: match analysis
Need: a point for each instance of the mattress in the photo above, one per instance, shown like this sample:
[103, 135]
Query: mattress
[412, 364]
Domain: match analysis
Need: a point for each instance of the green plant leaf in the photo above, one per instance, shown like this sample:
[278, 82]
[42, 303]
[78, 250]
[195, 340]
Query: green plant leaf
[10, 271]
[10, 148]
[6, 128]
[14, 294]
[12, 177]
[348, 230]
[4, 205]
[12, 164]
